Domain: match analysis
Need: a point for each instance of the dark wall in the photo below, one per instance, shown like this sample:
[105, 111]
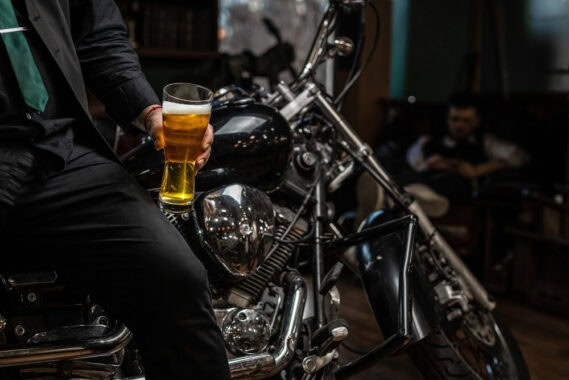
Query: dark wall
[534, 38]
[431, 51]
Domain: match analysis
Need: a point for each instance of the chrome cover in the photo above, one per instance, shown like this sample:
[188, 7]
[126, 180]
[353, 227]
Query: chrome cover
[235, 220]
[270, 362]
[246, 331]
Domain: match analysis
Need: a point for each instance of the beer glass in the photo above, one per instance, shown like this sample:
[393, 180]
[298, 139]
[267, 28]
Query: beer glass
[186, 109]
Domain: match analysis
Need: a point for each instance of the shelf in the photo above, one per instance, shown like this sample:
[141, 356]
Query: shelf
[176, 54]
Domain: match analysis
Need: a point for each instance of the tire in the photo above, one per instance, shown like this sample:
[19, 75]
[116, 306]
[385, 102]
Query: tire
[438, 359]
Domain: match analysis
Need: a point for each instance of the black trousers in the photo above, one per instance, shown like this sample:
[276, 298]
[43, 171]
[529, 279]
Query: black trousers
[102, 232]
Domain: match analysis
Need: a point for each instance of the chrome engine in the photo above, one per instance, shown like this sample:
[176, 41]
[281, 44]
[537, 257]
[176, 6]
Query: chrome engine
[260, 289]
[237, 224]
[261, 312]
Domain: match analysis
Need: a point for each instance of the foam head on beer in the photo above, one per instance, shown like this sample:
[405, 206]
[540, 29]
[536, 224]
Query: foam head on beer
[172, 108]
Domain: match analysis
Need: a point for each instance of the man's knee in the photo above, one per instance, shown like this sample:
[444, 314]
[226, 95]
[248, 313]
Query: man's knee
[181, 275]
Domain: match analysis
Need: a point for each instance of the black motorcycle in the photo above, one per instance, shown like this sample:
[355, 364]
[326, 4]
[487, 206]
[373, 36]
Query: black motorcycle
[261, 224]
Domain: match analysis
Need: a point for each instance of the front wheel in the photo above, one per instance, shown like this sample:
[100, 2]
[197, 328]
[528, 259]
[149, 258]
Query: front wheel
[477, 346]
[470, 343]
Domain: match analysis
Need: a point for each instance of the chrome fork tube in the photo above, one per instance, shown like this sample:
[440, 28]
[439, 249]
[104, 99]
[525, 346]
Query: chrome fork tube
[478, 291]
[363, 151]
[318, 44]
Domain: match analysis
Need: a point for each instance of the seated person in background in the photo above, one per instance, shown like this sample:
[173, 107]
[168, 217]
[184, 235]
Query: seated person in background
[446, 170]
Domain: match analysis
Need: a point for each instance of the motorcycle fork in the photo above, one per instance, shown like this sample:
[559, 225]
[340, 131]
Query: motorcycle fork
[318, 251]
[364, 155]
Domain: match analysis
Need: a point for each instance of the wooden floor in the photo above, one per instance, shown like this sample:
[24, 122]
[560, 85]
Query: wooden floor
[543, 338]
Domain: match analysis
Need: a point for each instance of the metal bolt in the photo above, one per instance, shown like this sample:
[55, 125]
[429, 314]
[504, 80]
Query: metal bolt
[309, 365]
[245, 229]
[32, 297]
[309, 159]
[19, 330]
[103, 320]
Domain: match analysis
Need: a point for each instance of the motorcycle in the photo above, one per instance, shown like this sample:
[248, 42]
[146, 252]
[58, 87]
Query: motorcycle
[265, 229]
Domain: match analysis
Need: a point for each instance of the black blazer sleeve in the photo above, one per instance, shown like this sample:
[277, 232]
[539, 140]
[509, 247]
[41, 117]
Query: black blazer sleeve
[110, 66]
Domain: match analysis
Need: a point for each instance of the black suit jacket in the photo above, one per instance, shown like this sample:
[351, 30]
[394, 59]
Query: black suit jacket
[88, 41]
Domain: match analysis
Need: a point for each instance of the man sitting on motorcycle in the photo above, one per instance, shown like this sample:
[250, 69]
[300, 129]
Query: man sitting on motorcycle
[67, 203]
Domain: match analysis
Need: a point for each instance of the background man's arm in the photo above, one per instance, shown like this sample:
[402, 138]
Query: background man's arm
[415, 156]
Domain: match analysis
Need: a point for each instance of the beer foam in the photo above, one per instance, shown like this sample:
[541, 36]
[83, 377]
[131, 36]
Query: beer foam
[185, 109]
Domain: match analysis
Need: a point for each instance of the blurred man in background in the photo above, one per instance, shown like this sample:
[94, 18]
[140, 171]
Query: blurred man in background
[446, 170]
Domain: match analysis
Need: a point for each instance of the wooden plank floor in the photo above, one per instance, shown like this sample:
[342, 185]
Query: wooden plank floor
[543, 338]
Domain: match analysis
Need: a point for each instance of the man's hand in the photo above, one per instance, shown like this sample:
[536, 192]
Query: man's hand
[206, 148]
[153, 125]
[466, 169]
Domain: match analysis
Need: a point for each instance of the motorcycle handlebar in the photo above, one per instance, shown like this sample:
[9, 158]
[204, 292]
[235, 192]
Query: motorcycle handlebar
[318, 48]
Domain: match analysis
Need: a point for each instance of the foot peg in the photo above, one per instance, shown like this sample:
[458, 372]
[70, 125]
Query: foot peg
[325, 340]
[329, 336]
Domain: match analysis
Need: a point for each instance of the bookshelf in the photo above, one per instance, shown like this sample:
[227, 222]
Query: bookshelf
[172, 29]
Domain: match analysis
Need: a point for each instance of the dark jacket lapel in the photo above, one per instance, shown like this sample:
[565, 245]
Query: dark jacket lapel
[51, 24]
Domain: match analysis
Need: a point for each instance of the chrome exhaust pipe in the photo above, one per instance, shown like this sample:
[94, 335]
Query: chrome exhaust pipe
[264, 365]
[45, 352]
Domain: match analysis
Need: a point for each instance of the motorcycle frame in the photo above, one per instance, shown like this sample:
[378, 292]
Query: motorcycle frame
[403, 335]
[303, 94]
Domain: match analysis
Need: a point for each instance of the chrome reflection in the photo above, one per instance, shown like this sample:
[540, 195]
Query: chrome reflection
[246, 331]
[46, 352]
[236, 220]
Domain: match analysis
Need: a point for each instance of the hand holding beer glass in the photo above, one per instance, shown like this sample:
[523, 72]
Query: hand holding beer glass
[186, 109]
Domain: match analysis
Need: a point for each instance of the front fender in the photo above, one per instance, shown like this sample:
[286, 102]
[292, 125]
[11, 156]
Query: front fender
[380, 260]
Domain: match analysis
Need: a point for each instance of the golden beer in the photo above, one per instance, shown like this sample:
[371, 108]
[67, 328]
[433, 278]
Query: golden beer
[184, 129]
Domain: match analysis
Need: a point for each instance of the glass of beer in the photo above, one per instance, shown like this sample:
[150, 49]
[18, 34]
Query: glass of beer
[186, 109]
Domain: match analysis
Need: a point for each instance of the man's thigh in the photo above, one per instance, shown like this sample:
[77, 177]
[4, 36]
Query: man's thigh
[101, 231]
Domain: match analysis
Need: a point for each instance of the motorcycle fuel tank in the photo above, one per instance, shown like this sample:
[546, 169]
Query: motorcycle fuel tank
[252, 145]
